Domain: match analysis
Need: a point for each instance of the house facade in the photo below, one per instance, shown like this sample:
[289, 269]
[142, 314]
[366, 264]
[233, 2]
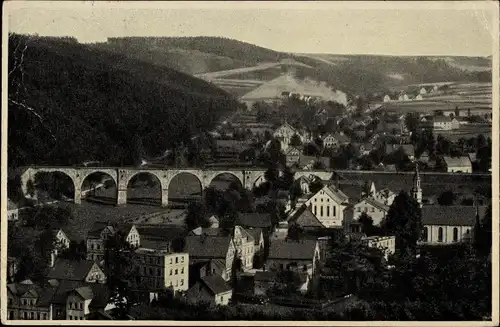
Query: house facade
[293, 255]
[458, 164]
[376, 210]
[445, 123]
[100, 233]
[328, 206]
[12, 211]
[25, 302]
[162, 269]
[292, 156]
[210, 289]
[449, 224]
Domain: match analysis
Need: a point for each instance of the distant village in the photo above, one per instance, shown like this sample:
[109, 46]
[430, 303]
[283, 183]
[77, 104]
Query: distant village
[211, 263]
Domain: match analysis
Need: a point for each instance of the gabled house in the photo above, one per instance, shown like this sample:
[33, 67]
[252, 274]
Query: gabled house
[457, 164]
[384, 196]
[293, 255]
[376, 210]
[365, 148]
[26, 301]
[72, 270]
[335, 140]
[210, 289]
[101, 231]
[204, 248]
[445, 123]
[81, 301]
[292, 156]
[328, 205]
[387, 244]
[258, 237]
[304, 218]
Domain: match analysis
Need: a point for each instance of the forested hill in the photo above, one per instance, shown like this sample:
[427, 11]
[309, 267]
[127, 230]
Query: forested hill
[69, 103]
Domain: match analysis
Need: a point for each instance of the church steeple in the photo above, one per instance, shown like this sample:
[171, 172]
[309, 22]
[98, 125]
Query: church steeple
[416, 190]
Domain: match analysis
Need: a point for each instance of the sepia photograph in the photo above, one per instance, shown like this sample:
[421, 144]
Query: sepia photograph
[250, 162]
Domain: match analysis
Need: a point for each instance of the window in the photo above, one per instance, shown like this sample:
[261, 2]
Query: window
[25, 315]
[176, 271]
[321, 211]
[334, 211]
[455, 234]
[359, 209]
[182, 261]
[440, 234]
[222, 299]
[182, 282]
[373, 209]
[176, 260]
[80, 306]
[158, 272]
[171, 272]
[182, 270]
[315, 210]
[467, 231]
[328, 211]
[144, 270]
[151, 272]
[425, 234]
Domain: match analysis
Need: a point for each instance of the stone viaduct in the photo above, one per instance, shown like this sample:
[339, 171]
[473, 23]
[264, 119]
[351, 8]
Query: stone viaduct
[122, 176]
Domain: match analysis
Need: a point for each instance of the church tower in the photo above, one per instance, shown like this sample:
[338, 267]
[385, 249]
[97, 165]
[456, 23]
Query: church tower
[416, 190]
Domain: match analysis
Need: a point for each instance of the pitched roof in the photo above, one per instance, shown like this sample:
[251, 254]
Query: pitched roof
[305, 218]
[85, 292]
[215, 284]
[292, 250]
[451, 215]
[375, 203]
[457, 161]
[70, 269]
[335, 193]
[206, 246]
[265, 276]
[165, 233]
[155, 244]
[97, 228]
[409, 149]
[254, 220]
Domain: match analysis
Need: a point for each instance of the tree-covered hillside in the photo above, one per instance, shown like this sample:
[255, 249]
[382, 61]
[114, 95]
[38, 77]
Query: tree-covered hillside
[69, 103]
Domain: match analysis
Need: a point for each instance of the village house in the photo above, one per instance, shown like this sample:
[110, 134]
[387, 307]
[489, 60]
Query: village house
[210, 289]
[160, 268]
[384, 196]
[376, 210]
[292, 156]
[25, 302]
[205, 248]
[419, 97]
[408, 149]
[12, 211]
[387, 244]
[387, 98]
[284, 134]
[258, 237]
[457, 164]
[449, 224]
[99, 234]
[328, 206]
[365, 149]
[423, 91]
[73, 270]
[445, 123]
[264, 281]
[242, 239]
[81, 301]
[294, 255]
[332, 141]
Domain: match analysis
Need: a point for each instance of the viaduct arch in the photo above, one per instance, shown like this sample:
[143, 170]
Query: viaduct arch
[122, 177]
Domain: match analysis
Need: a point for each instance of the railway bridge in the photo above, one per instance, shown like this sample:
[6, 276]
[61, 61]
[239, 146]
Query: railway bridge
[248, 177]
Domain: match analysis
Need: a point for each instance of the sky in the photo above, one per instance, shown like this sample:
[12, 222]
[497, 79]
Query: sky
[447, 29]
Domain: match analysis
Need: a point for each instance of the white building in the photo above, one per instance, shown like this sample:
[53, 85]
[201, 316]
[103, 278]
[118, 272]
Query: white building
[387, 244]
[12, 210]
[449, 224]
[387, 98]
[328, 206]
[458, 164]
[445, 123]
[376, 210]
